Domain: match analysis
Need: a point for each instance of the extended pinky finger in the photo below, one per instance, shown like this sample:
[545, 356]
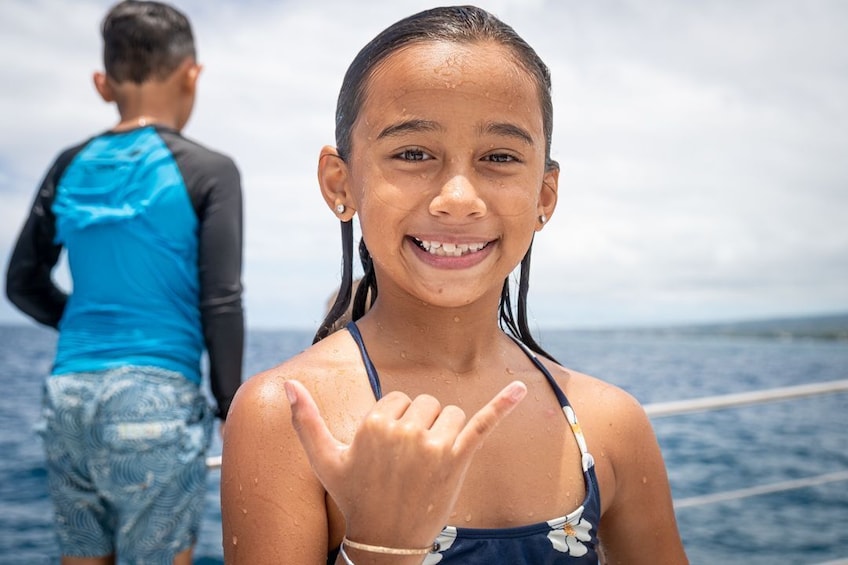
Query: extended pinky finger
[489, 416]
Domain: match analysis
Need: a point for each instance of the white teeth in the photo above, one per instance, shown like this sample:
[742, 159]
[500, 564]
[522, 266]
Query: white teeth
[450, 249]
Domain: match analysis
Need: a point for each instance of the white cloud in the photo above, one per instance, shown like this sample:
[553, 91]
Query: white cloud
[702, 145]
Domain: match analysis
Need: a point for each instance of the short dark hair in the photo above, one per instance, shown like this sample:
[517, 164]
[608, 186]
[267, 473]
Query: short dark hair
[145, 40]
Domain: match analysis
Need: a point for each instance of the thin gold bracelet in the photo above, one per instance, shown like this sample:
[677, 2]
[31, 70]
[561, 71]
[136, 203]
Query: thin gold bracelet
[385, 550]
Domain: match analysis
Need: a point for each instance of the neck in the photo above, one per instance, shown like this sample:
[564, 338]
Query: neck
[128, 123]
[146, 104]
[457, 339]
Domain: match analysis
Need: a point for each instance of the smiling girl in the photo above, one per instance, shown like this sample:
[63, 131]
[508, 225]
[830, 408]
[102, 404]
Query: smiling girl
[434, 429]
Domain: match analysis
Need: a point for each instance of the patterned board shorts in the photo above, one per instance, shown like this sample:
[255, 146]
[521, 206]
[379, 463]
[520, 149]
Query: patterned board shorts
[126, 462]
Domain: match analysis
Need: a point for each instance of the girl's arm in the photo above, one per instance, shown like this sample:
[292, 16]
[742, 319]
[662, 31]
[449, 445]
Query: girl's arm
[639, 526]
[273, 507]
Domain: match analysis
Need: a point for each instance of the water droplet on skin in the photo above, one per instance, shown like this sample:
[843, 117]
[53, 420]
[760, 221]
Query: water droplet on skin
[403, 354]
[644, 480]
[235, 540]
[456, 319]
[256, 480]
[468, 517]
[509, 371]
[244, 511]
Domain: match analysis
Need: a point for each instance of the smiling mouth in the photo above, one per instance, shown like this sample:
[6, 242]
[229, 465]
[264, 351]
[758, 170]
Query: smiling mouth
[449, 249]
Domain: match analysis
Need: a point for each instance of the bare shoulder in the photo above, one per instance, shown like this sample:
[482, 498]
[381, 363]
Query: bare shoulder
[272, 503]
[594, 399]
[617, 430]
[631, 473]
[330, 369]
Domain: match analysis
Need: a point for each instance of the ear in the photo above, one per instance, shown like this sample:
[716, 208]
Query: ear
[334, 179]
[190, 72]
[548, 196]
[103, 87]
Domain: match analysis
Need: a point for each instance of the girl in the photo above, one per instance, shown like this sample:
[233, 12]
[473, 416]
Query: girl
[358, 450]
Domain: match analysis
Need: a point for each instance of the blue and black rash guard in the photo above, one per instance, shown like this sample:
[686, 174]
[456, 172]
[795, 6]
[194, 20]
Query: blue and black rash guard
[152, 224]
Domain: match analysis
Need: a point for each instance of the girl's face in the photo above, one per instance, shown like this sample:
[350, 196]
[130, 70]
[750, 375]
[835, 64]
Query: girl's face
[447, 170]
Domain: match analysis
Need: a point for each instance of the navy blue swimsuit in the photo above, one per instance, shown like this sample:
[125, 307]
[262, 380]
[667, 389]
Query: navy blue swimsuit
[568, 540]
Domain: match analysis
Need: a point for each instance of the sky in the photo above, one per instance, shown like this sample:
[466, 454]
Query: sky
[703, 146]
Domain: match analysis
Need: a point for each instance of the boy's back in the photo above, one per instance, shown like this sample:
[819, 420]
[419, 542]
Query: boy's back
[127, 207]
[152, 224]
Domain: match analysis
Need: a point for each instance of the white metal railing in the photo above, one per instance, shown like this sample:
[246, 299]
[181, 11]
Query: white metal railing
[762, 489]
[675, 407]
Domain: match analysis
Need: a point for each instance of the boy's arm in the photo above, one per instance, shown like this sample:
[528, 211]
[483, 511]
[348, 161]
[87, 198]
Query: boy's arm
[220, 268]
[29, 284]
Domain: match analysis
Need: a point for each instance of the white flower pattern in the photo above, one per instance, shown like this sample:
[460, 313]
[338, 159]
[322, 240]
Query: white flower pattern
[569, 534]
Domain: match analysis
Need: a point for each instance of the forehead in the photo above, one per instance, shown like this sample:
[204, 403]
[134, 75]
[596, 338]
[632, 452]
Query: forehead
[427, 77]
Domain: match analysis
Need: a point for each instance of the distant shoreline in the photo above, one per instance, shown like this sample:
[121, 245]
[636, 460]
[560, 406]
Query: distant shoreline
[832, 327]
[829, 327]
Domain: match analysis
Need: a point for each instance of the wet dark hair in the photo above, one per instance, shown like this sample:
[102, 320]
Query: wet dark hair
[456, 24]
[145, 40]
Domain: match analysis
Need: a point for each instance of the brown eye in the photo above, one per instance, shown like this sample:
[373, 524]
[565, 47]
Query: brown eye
[413, 155]
[501, 158]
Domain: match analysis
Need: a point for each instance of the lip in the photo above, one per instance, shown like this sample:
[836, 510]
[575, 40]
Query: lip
[441, 251]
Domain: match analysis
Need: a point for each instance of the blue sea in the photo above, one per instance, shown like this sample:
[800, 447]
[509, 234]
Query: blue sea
[705, 453]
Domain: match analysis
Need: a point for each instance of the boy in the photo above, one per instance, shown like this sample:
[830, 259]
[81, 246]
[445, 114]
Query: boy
[152, 224]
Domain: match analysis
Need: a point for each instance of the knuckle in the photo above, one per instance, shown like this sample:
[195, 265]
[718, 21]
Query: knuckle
[454, 412]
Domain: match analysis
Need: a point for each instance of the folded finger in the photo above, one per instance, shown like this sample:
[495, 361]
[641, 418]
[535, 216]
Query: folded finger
[449, 423]
[422, 412]
[392, 406]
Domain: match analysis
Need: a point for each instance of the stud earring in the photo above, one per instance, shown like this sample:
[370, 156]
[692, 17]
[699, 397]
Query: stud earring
[543, 218]
[340, 208]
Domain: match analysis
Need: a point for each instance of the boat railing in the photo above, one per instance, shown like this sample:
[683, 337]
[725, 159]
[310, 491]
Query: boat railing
[676, 407]
[707, 403]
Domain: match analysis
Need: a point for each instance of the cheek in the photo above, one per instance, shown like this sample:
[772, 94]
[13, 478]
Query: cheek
[373, 190]
[515, 201]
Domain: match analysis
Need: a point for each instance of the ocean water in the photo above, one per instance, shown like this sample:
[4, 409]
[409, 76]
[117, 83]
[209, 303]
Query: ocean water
[705, 453]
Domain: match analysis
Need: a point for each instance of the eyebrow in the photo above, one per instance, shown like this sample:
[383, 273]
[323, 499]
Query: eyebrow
[509, 130]
[409, 126]
[494, 128]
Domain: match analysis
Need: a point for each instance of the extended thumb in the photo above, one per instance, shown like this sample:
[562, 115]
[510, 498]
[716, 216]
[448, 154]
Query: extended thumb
[311, 429]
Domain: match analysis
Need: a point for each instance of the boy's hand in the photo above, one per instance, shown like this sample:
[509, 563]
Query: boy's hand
[398, 481]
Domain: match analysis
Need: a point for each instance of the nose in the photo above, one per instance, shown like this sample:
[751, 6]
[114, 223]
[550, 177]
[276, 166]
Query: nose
[458, 198]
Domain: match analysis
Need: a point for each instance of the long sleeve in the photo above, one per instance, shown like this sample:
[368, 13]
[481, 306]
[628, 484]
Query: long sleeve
[29, 283]
[220, 262]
